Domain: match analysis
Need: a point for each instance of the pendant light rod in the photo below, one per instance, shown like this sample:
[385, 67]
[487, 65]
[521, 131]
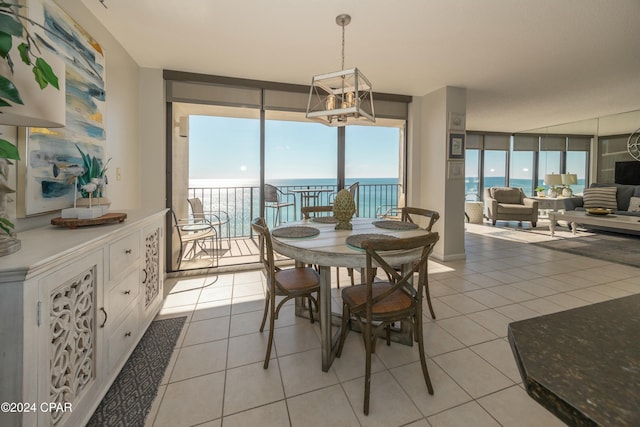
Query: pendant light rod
[343, 20]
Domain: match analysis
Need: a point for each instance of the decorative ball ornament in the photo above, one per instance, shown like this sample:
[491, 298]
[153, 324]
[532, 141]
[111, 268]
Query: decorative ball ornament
[343, 209]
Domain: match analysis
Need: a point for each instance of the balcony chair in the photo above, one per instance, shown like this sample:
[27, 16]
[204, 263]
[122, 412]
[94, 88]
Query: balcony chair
[195, 235]
[376, 305]
[291, 283]
[215, 219]
[275, 198]
[509, 204]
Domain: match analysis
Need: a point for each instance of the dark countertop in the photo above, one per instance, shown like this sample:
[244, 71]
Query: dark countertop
[583, 364]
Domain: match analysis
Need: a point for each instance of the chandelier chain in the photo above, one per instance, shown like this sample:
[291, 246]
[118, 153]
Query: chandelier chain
[343, 47]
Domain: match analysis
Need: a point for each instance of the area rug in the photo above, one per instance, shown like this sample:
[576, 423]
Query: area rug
[614, 247]
[129, 399]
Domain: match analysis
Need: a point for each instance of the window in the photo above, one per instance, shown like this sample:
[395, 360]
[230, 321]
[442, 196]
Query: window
[472, 176]
[495, 168]
[521, 171]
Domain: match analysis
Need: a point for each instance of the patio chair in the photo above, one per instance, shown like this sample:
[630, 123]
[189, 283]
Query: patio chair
[215, 219]
[296, 282]
[275, 198]
[376, 305]
[193, 235]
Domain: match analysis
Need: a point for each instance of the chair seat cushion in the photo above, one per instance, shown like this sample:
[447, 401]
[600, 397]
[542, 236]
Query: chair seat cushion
[298, 279]
[396, 301]
[509, 208]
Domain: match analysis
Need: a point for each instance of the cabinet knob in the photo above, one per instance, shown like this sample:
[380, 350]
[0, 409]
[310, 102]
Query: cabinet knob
[127, 292]
[128, 251]
[128, 334]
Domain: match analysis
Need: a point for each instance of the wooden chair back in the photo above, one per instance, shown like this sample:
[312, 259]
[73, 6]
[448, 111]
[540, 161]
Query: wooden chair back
[259, 226]
[431, 216]
[311, 211]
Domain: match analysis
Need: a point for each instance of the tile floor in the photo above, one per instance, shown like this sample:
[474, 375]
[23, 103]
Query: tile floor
[215, 377]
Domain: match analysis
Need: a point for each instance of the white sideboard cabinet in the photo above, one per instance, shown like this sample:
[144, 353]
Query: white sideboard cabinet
[73, 306]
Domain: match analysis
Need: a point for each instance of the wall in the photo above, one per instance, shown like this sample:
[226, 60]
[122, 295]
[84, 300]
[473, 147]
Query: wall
[122, 120]
[431, 187]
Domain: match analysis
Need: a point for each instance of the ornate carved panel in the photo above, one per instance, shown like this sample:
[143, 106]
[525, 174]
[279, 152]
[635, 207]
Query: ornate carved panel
[72, 327]
[151, 270]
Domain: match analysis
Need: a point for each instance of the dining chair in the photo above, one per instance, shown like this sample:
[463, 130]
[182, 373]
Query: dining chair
[275, 198]
[409, 214]
[296, 282]
[215, 219]
[194, 234]
[375, 305]
[309, 212]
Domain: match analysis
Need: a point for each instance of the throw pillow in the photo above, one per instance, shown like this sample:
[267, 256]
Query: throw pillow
[601, 197]
[634, 204]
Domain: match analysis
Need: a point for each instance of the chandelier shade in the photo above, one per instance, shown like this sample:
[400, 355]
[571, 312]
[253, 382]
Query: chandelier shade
[342, 97]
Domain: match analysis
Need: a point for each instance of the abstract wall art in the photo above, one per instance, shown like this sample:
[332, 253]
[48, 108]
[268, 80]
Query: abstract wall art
[46, 154]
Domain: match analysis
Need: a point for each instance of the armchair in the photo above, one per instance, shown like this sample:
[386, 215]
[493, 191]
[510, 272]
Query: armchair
[510, 204]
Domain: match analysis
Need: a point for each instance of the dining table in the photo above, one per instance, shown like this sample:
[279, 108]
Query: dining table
[326, 247]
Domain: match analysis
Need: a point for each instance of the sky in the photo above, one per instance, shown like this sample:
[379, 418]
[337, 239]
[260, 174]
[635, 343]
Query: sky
[229, 148]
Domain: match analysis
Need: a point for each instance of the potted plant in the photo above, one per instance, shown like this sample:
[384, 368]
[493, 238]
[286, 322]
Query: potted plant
[540, 191]
[91, 183]
[13, 26]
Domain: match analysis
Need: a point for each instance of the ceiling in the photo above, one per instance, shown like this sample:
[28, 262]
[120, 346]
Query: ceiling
[525, 63]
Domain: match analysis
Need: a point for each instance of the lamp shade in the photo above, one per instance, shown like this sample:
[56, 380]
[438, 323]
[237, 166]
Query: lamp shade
[41, 107]
[553, 179]
[569, 178]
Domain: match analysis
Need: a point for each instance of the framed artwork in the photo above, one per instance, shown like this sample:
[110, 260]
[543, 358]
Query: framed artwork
[457, 122]
[456, 146]
[46, 152]
[455, 169]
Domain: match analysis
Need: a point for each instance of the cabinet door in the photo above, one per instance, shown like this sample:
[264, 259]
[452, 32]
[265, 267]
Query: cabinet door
[70, 336]
[152, 268]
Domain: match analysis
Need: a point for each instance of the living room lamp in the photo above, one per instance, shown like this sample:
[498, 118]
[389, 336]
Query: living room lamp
[553, 180]
[568, 179]
[342, 97]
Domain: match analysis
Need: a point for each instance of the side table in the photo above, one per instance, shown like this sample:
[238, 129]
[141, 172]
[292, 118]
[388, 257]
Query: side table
[550, 204]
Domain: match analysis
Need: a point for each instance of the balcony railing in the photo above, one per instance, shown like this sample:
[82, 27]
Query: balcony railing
[242, 203]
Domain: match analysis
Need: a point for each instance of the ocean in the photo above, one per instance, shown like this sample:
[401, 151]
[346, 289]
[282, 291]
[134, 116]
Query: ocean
[472, 185]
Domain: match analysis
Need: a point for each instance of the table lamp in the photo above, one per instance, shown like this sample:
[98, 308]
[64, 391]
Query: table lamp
[568, 179]
[553, 180]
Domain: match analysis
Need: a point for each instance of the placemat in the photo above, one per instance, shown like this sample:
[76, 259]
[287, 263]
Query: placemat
[395, 225]
[357, 239]
[295, 231]
[325, 219]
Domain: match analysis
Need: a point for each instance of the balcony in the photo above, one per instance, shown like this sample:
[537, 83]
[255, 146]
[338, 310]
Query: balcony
[236, 240]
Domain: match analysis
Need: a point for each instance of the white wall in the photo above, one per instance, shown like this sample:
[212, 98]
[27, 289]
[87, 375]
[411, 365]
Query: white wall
[431, 189]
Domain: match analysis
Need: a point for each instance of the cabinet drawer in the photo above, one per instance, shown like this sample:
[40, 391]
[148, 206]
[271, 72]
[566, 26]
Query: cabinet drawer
[123, 338]
[121, 295]
[123, 253]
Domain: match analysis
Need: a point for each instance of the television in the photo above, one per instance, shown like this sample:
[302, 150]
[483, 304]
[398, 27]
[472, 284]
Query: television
[627, 173]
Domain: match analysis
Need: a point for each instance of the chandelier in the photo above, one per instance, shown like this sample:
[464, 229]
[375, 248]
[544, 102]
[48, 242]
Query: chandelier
[342, 97]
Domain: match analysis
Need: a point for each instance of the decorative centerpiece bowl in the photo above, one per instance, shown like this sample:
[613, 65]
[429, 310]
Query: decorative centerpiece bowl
[598, 211]
[343, 209]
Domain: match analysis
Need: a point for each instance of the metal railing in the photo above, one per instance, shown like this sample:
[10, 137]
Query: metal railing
[241, 204]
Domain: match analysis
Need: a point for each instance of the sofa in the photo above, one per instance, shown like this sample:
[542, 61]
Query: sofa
[624, 193]
[626, 203]
[509, 204]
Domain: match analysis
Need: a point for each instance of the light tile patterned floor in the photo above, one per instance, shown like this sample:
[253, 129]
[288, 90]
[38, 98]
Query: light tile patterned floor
[216, 378]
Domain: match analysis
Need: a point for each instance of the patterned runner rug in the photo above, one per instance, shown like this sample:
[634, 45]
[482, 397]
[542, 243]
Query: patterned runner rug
[129, 399]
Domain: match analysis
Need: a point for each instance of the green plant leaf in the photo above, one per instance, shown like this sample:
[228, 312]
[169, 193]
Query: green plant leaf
[4, 103]
[39, 76]
[6, 225]
[47, 72]
[9, 91]
[8, 150]
[23, 48]
[5, 44]
[10, 24]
